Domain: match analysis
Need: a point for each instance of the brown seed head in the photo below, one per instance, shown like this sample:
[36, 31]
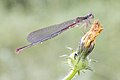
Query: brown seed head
[91, 35]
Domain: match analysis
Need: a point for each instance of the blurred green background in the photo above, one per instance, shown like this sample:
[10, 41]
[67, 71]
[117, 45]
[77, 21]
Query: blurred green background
[42, 62]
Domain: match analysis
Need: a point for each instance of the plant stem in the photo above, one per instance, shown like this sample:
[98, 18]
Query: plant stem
[71, 74]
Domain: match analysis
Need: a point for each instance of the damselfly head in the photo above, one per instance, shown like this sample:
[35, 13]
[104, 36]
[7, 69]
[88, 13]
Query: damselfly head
[85, 18]
[90, 15]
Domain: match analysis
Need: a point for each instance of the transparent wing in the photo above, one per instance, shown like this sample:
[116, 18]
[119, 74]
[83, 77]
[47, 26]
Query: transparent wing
[49, 32]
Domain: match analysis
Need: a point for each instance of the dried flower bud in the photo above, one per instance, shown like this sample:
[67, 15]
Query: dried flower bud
[87, 42]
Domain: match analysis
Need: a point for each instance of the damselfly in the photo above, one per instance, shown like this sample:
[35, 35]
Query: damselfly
[49, 32]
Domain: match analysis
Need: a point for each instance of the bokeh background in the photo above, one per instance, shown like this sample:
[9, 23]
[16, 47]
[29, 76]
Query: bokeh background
[42, 62]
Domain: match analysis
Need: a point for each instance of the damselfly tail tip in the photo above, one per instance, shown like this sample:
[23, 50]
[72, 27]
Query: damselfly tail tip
[18, 50]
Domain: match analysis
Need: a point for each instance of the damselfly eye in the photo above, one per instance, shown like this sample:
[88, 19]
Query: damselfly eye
[91, 16]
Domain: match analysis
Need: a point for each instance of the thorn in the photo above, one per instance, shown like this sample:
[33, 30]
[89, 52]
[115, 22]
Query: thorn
[78, 72]
[69, 48]
[83, 71]
[89, 68]
[64, 55]
[92, 60]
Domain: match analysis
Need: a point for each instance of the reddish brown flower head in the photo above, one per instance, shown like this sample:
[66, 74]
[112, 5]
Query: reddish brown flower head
[91, 35]
[88, 40]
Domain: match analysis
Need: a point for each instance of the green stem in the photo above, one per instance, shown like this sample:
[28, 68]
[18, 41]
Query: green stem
[71, 74]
